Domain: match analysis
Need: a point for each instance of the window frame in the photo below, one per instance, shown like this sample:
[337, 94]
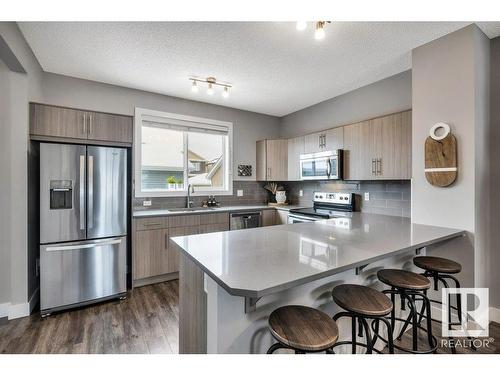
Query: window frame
[194, 122]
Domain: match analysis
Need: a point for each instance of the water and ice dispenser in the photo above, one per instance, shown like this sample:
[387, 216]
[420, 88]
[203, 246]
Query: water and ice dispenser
[61, 194]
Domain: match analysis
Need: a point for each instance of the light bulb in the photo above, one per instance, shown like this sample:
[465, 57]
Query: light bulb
[301, 25]
[225, 93]
[320, 31]
[210, 90]
[194, 87]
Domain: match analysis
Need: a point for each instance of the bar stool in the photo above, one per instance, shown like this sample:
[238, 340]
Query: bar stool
[361, 303]
[411, 287]
[441, 270]
[302, 329]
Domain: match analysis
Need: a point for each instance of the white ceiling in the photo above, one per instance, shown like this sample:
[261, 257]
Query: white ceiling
[274, 68]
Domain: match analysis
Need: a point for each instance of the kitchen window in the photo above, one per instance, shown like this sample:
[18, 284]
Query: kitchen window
[174, 151]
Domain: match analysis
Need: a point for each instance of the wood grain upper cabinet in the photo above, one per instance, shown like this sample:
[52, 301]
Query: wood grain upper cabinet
[378, 149]
[53, 121]
[295, 149]
[106, 127]
[272, 160]
[57, 122]
[327, 140]
[357, 151]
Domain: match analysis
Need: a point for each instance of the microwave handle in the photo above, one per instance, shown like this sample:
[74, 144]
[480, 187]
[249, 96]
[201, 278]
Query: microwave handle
[328, 168]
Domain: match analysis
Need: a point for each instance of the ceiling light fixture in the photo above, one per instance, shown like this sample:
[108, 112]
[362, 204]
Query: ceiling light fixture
[211, 84]
[320, 30]
[301, 25]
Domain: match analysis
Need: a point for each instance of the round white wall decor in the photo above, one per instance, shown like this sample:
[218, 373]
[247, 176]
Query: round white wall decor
[439, 125]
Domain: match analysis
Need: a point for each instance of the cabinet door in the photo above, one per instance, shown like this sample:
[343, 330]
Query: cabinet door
[295, 149]
[281, 217]
[261, 161]
[394, 147]
[149, 251]
[334, 139]
[277, 159]
[211, 228]
[106, 127]
[268, 217]
[171, 256]
[57, 122]
[314, 142]
[358, 146]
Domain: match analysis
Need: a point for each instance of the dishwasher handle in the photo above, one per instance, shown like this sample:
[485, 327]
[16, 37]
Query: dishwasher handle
[246, 215]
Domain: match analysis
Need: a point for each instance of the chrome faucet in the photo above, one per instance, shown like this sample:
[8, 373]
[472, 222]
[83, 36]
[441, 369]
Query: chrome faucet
[189, 202]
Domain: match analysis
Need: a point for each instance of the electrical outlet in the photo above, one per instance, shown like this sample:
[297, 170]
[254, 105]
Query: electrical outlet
[367, 196]
[239, 193]
[146, 203]
[301, 193]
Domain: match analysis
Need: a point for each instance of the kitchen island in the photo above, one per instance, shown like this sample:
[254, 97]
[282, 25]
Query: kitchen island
[231, 281]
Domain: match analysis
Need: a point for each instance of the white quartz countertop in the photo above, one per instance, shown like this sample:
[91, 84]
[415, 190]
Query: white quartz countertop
[260, 261]
[200, 210]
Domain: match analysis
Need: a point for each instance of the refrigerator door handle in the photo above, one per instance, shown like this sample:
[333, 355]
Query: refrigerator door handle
[91, 192]
[82, 192]
[86, 246]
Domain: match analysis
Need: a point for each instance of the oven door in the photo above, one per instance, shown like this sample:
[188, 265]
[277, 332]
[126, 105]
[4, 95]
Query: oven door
[315, 168]
[294, 219]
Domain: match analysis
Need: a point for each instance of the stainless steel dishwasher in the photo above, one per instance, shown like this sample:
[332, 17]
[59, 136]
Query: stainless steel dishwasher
[245, 220]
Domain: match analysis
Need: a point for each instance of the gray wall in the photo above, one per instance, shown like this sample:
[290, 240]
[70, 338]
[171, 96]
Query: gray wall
[493, 259]
[387, 96]
[18, 89]
[449, 86]
[248, 126]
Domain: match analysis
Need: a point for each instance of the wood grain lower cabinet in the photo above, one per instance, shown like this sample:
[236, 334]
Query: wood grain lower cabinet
[268, 218]
[281, 217]
[150, 253]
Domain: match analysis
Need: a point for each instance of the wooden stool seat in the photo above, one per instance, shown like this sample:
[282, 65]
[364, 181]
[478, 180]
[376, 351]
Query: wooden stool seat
[402, 279]
[303, 328]
[436, 264]
[362, 300]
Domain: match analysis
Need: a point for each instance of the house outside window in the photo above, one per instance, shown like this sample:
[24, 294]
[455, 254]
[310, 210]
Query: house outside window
[174, 151]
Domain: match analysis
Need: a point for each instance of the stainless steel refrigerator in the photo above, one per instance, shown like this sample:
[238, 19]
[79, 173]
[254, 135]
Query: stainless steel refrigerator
[83, 225]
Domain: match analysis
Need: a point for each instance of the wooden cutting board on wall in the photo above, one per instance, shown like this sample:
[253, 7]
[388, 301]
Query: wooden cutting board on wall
[441, 160]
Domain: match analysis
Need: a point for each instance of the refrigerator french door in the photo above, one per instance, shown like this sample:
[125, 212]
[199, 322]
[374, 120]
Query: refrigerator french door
[83, 224]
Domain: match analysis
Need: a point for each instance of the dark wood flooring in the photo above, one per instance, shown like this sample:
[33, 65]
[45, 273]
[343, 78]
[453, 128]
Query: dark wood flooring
[146, 322]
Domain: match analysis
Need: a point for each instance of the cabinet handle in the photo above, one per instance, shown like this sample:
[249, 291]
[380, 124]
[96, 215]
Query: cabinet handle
[324, 140]
[90, 124]
[84, 123]
[150, 224]
[379, 166]
[374, 166]
[166, 241]
[268, 172]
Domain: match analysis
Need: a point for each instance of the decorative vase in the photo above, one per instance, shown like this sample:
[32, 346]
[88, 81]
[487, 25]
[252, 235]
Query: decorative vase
[280, 196]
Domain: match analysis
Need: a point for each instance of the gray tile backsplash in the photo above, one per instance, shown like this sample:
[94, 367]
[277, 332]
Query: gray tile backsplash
[386, 197]
[253, 194]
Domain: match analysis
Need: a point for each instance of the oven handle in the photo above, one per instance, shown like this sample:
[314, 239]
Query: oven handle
[294, 216]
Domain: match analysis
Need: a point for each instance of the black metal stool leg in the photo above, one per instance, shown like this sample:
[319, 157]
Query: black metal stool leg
[390, 341]
[275, 347]
[364, 324]
[353, 334]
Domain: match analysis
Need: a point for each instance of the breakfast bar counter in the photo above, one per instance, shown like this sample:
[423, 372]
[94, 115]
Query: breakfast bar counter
[239, 277]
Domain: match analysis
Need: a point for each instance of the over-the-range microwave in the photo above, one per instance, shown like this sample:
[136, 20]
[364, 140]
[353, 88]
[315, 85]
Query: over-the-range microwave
[326, 165]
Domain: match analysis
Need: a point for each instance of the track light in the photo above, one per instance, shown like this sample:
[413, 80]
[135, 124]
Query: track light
[301, 25]
[211, 85]
[320, 30]
[210, 89]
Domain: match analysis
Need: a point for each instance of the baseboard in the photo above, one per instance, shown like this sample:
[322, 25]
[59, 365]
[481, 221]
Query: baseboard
[155, 279]
[494, 314]
[19, 310]
[4, 309]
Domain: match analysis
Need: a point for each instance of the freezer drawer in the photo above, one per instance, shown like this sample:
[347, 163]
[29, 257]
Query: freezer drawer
[80, 272]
